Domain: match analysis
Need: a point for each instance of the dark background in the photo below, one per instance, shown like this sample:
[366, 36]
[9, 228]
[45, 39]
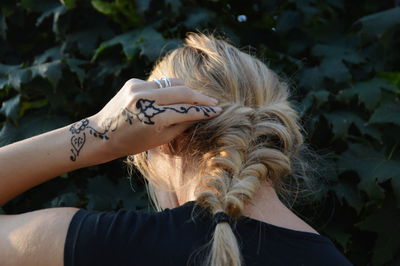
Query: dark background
[62, 61]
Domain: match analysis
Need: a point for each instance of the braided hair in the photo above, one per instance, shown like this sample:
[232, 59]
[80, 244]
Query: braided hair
[256, 138]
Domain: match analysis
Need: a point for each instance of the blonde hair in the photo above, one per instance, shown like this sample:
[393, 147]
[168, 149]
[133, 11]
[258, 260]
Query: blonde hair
[257, 137]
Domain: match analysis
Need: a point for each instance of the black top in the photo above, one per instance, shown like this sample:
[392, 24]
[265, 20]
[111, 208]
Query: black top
[179, 236]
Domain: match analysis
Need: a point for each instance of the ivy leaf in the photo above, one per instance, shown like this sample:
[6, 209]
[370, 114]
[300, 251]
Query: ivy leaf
[387, 112]
[51, 71]
[341, 121]
[28, 105]
[350, 194]
[376, 25]
[288, 20]
[64, 198]
[174, 4]
[87, 40]
[18, 77]
[56, 11]
[10, 108]
[53, 54]
[340, 50]
[368, 92]
[337, 233]
[106, 195]
[3, 27]
[146, 42]
[392, 77]
[335, 69]
[385, 223]
[38, 5]
[69, 3]
[74, 66]
[311, 78]
[29, 126]
[5, 71]
[199, 16]
[371, 166]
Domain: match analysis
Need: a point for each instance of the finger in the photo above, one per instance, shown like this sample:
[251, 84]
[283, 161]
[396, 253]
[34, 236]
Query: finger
[179, 95]
[180, 113]
[175, 130]
[174, 82]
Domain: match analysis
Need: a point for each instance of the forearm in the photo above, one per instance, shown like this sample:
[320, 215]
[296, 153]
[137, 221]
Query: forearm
[33, 161]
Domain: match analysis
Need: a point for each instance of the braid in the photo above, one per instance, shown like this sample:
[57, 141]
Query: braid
[245, 155]
[256, 139]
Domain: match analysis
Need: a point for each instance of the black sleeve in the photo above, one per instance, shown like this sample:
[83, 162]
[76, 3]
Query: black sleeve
[110, 238]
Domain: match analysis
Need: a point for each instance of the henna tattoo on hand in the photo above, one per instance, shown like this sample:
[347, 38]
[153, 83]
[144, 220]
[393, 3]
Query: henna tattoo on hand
[78, 138]
[145, 112]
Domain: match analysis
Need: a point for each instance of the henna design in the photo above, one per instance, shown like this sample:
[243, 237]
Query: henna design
[78, 138]
[77, 143]
[145, 112]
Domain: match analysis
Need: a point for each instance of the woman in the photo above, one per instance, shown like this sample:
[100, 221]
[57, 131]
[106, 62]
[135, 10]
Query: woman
[216, 173]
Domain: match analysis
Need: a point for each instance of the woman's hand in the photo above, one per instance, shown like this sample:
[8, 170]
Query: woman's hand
[138, 118]
[142, 116]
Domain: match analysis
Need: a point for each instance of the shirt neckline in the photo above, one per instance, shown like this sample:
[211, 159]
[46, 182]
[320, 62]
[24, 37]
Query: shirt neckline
[287, 231]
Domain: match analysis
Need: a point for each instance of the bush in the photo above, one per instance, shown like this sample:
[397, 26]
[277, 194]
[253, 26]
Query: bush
[62, 61]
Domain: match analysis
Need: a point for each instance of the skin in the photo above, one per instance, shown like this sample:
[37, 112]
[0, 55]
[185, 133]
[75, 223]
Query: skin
[266, 205]
[138, 118]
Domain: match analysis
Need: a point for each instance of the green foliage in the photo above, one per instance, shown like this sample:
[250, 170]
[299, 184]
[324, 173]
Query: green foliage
[61, 61]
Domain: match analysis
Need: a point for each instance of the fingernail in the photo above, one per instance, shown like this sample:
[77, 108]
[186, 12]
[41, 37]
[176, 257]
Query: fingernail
[215, 101]
[217, 109]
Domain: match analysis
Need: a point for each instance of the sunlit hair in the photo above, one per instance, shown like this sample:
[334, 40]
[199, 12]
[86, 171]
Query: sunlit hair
[257, 138]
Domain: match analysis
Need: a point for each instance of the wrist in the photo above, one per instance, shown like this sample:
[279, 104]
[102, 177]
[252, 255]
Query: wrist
[89, 143]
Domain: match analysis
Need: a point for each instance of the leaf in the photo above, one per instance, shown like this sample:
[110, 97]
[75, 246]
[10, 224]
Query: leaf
[29, 126]
[38, 5]
[65, 198]
[3, 27]
[334, 69]
[311, 78]
[387, 112]
[53, 54]
[288, 20]
[340, 50]
[371, 166]
[5, 71]
[74, 66]
[69, 3]
[104, 7]
[368, 92]
[199, 16]
[376, 25]
[26, 105]
[341, 121]
[87, 40]
[18, 77]
[349, 193]
[385, 223]
[106, 195]
[174, 4]
[51, 71]
[146, 42]
[336, 232]
[392, 77]
[10, 108]
[56, 11]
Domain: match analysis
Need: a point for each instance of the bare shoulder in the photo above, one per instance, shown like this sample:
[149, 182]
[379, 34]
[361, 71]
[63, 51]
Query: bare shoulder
[34, 238]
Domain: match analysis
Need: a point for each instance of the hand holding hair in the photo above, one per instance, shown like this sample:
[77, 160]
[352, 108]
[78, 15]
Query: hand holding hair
[142, 116]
